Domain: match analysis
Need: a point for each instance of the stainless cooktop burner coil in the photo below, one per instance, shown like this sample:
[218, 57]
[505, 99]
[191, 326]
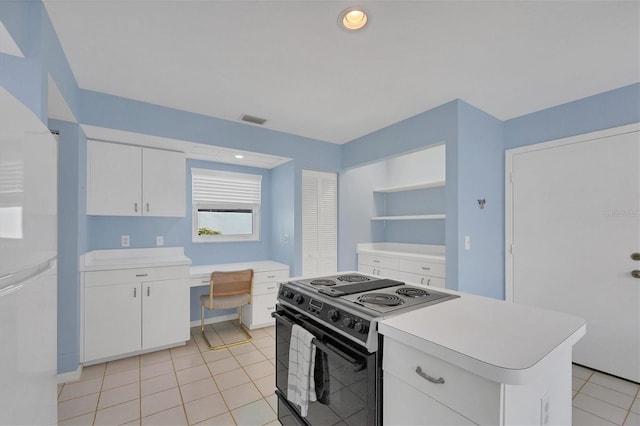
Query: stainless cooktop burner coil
[381, 299]
[412, 292]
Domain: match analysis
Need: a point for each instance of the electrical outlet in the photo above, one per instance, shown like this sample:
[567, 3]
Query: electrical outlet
[124, 241]
[159, 240]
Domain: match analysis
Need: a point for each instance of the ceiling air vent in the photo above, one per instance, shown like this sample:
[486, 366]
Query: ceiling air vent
[251, 119]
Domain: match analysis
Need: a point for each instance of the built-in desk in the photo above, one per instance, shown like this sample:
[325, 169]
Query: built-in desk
[266, 276]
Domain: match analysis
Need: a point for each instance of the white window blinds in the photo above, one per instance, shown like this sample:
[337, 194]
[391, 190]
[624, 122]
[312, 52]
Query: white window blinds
[214, 187]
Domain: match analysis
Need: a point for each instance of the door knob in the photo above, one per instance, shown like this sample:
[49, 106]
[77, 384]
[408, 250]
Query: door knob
[635, 273]
[635, 256]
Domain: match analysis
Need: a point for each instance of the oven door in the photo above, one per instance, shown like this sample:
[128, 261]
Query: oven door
[354, 376]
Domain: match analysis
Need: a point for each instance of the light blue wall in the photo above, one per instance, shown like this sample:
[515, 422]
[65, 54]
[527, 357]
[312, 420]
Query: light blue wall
[25, 78]
[69, 243]
[480, 176]
[282, 217]
[602, 111]
[357, 206]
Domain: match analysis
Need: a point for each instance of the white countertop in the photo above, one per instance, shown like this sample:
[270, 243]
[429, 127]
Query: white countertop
[501, 341]
[101, 260]
[403, 250]
[257, 266]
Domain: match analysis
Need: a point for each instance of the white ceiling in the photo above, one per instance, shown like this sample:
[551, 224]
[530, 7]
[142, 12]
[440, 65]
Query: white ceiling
[288, 62]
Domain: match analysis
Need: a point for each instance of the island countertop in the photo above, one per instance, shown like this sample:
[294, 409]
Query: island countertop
[501, 341]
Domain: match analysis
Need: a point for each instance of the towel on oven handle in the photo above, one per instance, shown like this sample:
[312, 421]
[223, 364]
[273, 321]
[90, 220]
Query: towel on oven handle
[300, 380]
[321, 376]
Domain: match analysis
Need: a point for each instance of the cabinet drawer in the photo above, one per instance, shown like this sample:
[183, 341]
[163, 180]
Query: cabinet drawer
[433, 269]
[265, 288]
[423, 280]
[378, 261]
[199, 281]
[122, 276]
[261, 309]
[469, 394]
[405, 405]
[270, 276]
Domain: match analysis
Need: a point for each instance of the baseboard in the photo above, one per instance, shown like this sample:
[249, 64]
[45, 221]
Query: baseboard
[214, 320]
[71, 376]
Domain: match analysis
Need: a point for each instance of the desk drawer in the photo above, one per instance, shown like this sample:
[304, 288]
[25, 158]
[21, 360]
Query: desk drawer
[467, 393]
[270, 276]
[265, 288]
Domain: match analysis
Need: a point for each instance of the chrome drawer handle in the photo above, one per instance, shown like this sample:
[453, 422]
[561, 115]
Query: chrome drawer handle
[424, 375]
[141, 275]
[424, 268]
[271, 276]
[376, 261]
[271, 288]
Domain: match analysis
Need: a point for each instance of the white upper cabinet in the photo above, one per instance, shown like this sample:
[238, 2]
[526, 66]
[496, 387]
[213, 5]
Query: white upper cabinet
[163, 183]
[125, 180]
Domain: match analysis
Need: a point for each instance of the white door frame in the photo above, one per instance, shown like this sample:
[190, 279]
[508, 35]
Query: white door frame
[508, 199]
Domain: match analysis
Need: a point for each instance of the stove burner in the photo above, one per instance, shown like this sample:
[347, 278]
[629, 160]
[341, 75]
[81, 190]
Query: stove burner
[382, 299]
[323, 281]
[353, 278]
[412, 292]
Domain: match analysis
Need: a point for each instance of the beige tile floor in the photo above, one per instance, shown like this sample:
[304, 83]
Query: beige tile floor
[600, 399]
[192, 385]
[186, 385]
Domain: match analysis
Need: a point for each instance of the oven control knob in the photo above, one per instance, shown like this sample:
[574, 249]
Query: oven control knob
[361, 327]
[298, 299]
[348, 322]
[334, 315]
[287, 294]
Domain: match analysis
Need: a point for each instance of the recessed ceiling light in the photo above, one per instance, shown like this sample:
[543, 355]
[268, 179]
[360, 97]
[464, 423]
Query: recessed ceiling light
[239, 156]
[352, 18]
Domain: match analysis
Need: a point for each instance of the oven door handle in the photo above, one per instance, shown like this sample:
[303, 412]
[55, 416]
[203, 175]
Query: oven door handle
[357, 365]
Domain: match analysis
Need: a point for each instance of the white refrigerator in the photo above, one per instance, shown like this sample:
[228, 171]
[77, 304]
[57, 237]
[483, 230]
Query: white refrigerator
[28, 274]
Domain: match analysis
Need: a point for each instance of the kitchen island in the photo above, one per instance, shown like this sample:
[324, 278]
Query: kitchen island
[475, 360]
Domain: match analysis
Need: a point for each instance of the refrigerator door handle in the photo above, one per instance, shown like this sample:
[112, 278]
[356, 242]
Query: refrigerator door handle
[13, 282]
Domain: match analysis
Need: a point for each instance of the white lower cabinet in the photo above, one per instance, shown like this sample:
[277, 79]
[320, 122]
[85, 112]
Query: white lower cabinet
[134, 310]
[410, 269]
[264, 298]
[439, 393]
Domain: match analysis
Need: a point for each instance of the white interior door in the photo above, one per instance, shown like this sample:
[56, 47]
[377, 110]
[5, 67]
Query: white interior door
[319, 223]
[573, 220]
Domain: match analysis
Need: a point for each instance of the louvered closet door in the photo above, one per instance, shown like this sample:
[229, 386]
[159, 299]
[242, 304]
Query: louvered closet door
[319, 223]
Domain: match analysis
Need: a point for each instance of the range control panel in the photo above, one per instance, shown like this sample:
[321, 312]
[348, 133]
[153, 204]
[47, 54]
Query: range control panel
[341, 319]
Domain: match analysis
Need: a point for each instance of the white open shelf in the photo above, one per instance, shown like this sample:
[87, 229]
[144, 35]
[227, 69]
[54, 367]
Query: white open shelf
[410, 217]
[411, 187]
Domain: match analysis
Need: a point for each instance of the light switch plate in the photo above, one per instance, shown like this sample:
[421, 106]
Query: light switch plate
[467, 242]
[159, 240]
[124, 241]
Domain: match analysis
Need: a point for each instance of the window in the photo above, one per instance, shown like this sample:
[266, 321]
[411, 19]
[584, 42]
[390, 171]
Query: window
[226, 205]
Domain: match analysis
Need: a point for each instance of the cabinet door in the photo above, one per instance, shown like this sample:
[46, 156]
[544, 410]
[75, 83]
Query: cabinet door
[261, 308]
[425, 280]
[111, 320]
[113, 179]
[163, 183]
[165, 313]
